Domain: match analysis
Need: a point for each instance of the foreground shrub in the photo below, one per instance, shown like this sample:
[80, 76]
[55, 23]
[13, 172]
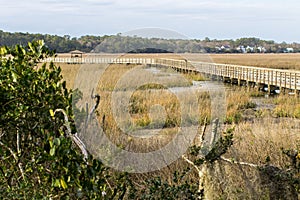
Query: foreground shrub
[38, 158]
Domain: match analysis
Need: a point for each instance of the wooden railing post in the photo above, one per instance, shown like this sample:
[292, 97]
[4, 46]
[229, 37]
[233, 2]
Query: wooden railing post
[290, 80]
[295, 83]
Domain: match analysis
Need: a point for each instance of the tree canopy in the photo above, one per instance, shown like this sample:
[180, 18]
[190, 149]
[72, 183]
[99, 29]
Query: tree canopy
[125, 44]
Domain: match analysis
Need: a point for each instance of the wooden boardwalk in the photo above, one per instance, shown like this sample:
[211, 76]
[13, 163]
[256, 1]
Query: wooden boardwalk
[264, 77]
[242, 75]
[101, 60]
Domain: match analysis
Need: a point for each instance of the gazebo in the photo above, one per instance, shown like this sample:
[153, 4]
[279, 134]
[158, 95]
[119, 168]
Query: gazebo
[76, 54]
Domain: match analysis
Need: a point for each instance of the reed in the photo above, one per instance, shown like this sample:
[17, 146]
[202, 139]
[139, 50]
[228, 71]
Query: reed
[277, 61]
[260, 134]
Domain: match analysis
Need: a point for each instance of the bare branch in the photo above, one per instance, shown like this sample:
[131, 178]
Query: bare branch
[74, 137]
[203, 129]
[191, 163]
[16, 159]
[201, 173]
[97, 101]
[80, 144]
[97, 97]
[1, 134]
[239, 163]
[214, 132]
[202, 170]
[201, 135]
[109, 185]
[18, 143]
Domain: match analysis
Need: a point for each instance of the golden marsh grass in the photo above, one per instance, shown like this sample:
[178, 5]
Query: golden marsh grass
[277, 61]
[259, 136]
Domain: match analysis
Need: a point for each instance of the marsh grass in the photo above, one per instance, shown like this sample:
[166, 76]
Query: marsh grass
[195, 77]
[69, 72]
[277, 61]
[153, 107]
[260, 142]
[287, 106]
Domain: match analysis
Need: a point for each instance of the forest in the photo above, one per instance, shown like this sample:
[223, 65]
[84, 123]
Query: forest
[125, 44]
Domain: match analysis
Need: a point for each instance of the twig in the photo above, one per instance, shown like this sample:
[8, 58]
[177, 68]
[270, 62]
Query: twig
[1, 134]
[87, 117]
[81, 145]
[97, 97]
[190, 162]
[16, 159]
[239, 163]
[74, 137]
[201, 136]
[18, 143]
[201, 173]
[203, 170]
[35, 126]
[109, 185]
[89, 114]
[214, 131]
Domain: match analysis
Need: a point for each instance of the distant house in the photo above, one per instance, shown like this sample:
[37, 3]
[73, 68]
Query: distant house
[289, 50]
[76, 54]
[249, 49]
[218, 49]
[225, 48]
[261, 49]
[241, 49]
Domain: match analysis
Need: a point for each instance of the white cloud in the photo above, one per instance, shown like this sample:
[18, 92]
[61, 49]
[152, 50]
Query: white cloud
[113, 16]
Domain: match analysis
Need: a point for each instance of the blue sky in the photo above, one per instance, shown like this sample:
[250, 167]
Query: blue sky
[221, 19]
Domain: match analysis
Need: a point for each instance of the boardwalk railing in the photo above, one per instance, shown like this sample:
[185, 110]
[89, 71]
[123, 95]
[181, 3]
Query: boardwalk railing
[267, 76]
[100, 60]
[288, 79]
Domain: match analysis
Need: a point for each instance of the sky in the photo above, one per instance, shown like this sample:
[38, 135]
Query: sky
[277, 20]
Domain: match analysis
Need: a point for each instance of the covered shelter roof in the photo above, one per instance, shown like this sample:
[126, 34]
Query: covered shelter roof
[76, 53]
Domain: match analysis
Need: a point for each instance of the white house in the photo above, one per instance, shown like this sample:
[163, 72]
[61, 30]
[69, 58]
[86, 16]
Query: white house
[289, 50]
[225, 48]
[249, 49]
[261, 49]
[241, 49]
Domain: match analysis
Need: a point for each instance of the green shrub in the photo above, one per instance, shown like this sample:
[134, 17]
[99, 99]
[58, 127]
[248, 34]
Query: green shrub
[38, 159]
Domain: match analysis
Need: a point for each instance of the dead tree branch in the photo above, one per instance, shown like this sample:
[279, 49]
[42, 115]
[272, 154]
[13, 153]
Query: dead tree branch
[74, 137]
[201, 173]
[238, 163]
[16, 159]
[202, 169]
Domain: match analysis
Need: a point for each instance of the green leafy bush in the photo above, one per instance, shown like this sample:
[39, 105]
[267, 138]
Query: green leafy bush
[38, 159]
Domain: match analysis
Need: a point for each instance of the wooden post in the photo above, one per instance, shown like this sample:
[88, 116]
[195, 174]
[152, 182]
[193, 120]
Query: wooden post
[276, 78]
[256, 75]
[290, 81]
[285, 82]
[295, 83]
[280, 82]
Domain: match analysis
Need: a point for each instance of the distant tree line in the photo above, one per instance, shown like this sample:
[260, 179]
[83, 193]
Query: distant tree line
[124, 44]
[61, 44]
